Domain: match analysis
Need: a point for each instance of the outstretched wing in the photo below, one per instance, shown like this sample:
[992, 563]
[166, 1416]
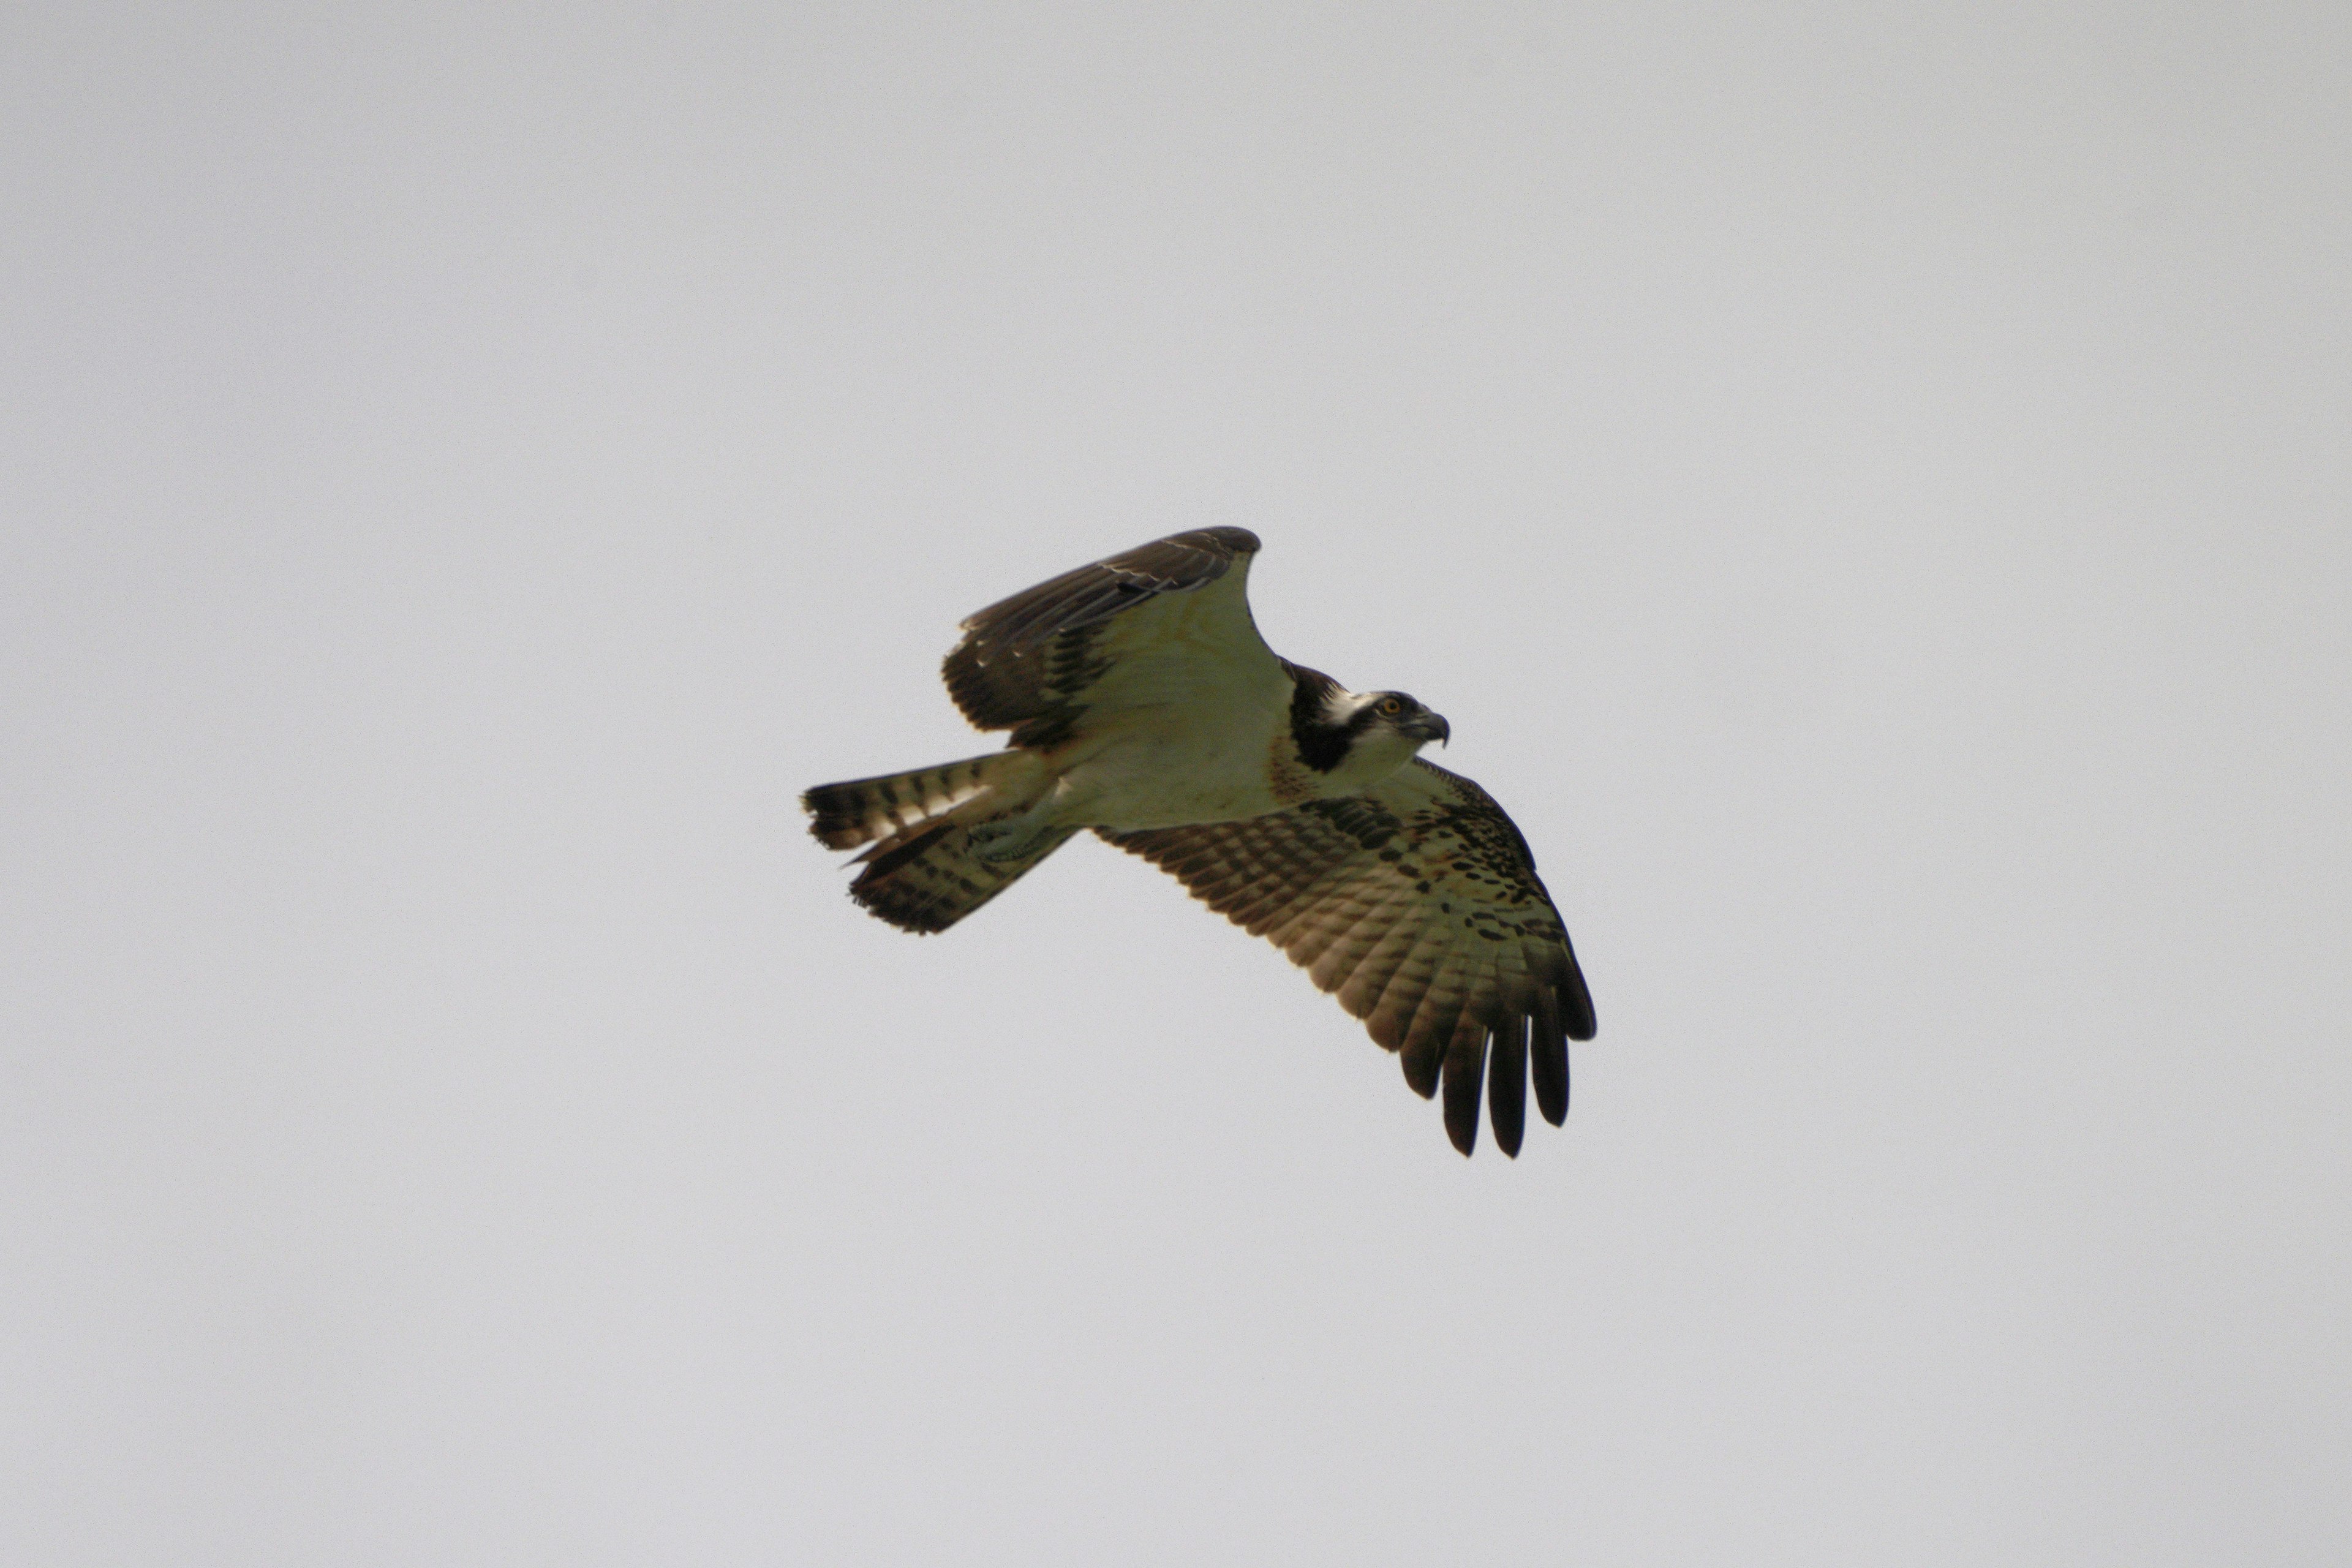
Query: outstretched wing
[1418, 902]
[1162, 622]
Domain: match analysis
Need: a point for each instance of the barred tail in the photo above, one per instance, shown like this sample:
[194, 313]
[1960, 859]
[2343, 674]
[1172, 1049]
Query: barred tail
[921, 874]
[927, 879]
[863, 810]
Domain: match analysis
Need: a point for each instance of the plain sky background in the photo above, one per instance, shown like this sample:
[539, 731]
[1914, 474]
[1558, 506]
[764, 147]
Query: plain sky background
[1870, 485]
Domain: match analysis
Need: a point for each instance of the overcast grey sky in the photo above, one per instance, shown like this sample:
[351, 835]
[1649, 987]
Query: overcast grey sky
[1870, 486]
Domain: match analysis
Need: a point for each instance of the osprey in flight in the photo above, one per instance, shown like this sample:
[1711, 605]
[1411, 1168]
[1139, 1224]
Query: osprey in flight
[1144, 705]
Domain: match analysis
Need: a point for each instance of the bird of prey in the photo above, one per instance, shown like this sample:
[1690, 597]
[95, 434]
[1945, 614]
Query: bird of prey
[1144, 705]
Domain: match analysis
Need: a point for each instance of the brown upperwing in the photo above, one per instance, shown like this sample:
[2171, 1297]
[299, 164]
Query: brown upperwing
[1024, 660]
[1418, 902]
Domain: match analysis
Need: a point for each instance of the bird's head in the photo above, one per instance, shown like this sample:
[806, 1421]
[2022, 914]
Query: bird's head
[1404, 716]
[1371, 734]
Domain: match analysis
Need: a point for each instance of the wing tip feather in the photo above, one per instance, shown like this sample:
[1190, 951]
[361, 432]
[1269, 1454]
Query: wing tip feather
[1464, 1074]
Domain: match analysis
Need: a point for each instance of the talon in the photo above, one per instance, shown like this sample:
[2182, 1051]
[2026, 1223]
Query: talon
[998, 841]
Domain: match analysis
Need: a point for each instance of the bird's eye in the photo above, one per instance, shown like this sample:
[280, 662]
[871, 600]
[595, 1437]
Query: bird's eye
[1389, 705]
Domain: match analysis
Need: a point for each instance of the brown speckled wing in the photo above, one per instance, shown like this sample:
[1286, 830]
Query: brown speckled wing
[1418, 903]
[1024, 660]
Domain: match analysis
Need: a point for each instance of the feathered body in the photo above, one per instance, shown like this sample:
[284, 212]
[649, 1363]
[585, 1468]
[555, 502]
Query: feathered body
[1144, 705]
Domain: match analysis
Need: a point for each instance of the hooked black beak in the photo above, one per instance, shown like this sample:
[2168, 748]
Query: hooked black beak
[1427, 727]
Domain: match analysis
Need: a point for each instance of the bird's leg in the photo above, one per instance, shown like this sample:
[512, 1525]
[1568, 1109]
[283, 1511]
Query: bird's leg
[1017, 834]
[1008, 838]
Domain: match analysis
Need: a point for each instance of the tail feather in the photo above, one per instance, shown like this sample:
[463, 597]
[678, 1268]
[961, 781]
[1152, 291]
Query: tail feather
[860, 811]
[919, 872]
[927, 879]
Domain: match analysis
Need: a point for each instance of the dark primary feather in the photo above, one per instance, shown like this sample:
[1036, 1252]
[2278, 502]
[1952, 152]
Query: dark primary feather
[1417, 902]
[1506, 1084]
[1024, 658]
